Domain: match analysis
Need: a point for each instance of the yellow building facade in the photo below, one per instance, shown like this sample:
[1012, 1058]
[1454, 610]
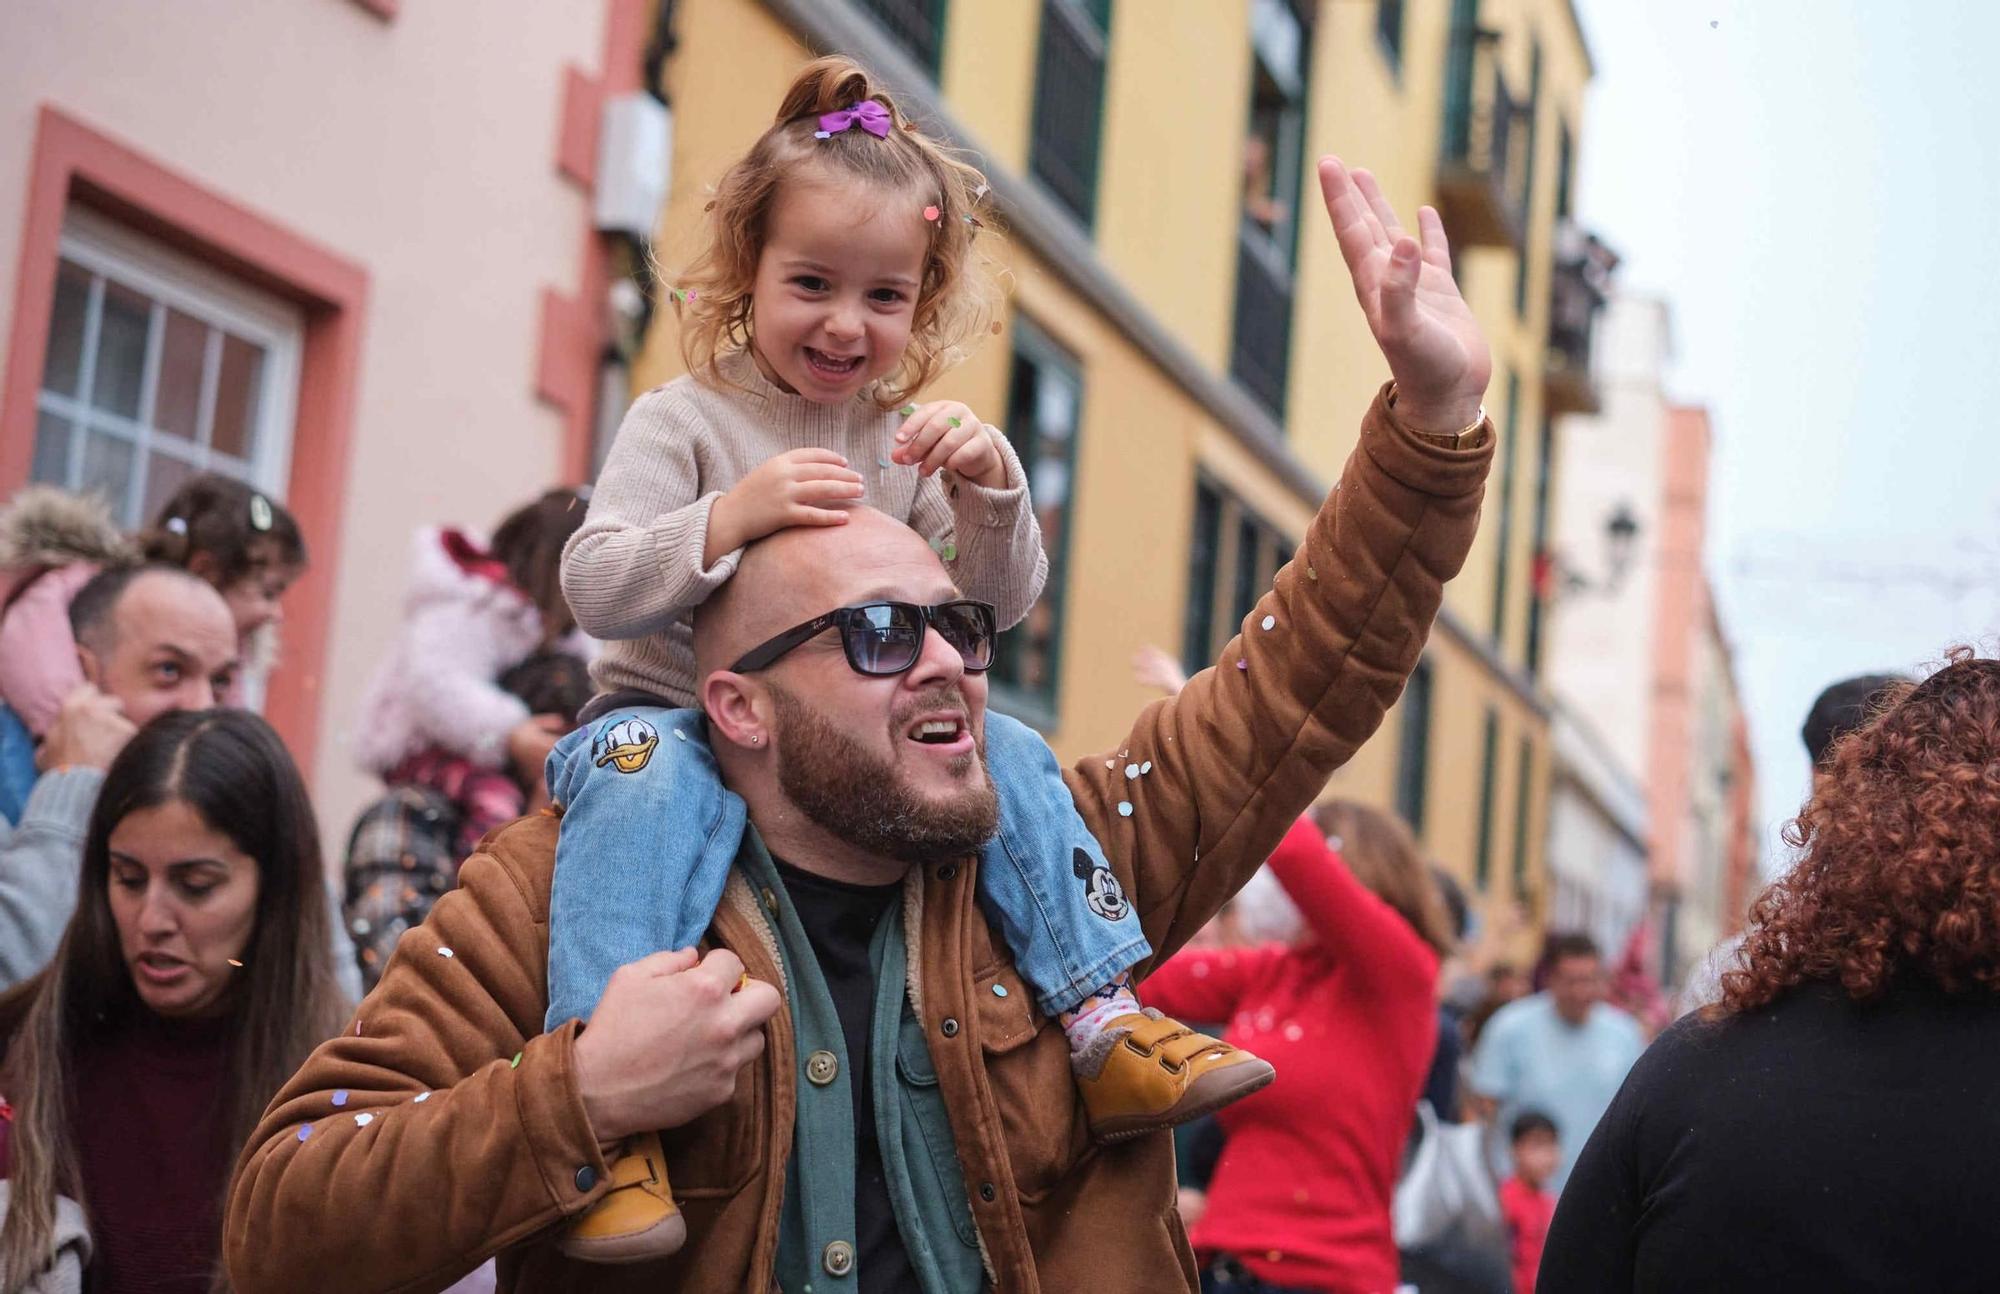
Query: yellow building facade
[1183, 365]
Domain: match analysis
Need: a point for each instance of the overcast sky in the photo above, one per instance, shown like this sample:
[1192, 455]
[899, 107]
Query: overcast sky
[1812, 186]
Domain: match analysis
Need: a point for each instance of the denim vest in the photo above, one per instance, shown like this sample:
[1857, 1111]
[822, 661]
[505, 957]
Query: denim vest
[926, 1187]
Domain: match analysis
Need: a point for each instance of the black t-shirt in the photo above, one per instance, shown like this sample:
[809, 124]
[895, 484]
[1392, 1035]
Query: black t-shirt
[1814, 1145]
[840, 920]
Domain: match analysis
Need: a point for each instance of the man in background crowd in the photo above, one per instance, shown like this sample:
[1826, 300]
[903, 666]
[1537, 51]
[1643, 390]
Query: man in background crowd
[1563, 1051]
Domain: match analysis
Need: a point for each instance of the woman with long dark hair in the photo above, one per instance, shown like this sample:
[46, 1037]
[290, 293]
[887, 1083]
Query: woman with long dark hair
[1830, 1125]
[193, 979]
[1341, 998]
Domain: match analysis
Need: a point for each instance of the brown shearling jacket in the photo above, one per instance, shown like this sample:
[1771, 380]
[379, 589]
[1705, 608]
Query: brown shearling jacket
[478, 1143]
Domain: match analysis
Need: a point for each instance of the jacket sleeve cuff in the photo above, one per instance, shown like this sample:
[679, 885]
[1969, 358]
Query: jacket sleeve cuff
[554, 1122]
[1418, 461]
[993, 506]
[680, 538]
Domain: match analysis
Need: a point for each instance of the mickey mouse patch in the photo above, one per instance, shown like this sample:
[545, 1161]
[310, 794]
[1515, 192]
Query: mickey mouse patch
[1101, 889]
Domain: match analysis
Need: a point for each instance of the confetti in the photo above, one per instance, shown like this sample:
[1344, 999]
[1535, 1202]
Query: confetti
[340, 1097]
[516, 1062]
[305, 1130]
[907, 410]
[822, 134]
[956, 422]
[681, 733]
[1311, 574]
[1242, 664]
[422, 1097]
[444, 952]
[357, 1028]
[930, 213]
[882, 460]
[1146, 767]
[1131, 771]
[237, 964]
[973, 221]
[1270, 623]
[1124, 808]
[1111, 763]
[949, 552]
[363, 1120]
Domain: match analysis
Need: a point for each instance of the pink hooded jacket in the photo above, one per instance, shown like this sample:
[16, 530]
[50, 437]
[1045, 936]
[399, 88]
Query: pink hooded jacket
[464, 625]
[51, 543]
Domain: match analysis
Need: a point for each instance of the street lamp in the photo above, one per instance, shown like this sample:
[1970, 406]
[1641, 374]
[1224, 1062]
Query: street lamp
[1621, 534]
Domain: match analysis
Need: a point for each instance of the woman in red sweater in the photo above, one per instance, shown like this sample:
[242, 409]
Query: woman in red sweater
[1343, 1004]
[193, 978]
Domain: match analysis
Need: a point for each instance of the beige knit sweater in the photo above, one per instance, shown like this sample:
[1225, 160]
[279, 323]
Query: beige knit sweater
[633, 573]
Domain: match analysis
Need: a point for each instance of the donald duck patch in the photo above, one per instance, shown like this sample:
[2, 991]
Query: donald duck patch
[626, 745]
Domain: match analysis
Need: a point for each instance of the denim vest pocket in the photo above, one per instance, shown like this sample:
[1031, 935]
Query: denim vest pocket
[936, 1173]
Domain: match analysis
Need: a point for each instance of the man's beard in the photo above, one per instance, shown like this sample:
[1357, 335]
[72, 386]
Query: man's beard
[860, 798]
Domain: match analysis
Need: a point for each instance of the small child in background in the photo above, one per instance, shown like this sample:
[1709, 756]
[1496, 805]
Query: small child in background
[838, 279]
[1526, 1205]
[406, 847]
[241, 541]
[437, 709]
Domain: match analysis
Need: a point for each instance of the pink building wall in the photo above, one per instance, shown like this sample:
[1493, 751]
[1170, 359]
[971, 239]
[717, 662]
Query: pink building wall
[438, 156]
[1683, 608]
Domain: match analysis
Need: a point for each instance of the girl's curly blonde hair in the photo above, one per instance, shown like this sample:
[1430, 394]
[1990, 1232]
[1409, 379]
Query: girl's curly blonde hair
[956, 297]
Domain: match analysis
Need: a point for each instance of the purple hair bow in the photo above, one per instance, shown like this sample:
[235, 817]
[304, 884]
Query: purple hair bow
[867, 114]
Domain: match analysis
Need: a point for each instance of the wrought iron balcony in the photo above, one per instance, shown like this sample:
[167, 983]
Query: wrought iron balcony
[1481, 172]
[1579, 284]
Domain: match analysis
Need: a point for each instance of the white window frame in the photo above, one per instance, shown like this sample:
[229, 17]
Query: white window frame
[172, 279]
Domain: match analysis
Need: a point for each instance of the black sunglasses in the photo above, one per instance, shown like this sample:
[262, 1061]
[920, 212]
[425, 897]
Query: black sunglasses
[887, 637]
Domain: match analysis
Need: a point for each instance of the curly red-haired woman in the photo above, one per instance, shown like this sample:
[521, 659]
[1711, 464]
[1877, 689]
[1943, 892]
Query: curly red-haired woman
[1831, 1124]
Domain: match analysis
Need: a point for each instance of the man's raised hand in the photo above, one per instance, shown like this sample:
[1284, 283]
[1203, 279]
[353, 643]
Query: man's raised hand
[1426, 331]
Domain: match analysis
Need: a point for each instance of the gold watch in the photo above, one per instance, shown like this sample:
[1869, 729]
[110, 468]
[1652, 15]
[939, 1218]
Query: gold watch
[1444, 440]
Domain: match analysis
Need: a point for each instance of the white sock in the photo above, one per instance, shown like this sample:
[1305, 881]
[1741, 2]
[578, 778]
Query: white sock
[1087, 1023]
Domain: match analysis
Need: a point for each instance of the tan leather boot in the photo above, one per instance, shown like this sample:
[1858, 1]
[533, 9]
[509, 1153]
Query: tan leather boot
[637, 1219]
[1152, 1072]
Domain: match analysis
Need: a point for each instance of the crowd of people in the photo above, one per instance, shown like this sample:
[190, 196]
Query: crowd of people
[690, 943]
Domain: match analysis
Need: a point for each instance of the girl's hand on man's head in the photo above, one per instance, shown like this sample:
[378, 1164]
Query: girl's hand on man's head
[800, 487]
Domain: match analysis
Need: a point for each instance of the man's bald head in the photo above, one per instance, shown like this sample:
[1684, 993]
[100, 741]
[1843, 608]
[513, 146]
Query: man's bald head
[853, 771]
[156, 638]
[794, 574]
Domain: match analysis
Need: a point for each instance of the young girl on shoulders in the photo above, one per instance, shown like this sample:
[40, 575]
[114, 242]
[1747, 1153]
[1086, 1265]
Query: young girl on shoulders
[838, 281]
